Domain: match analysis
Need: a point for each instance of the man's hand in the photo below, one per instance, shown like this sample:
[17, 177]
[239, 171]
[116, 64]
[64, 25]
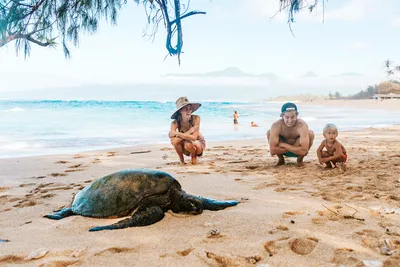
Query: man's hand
[282, 145]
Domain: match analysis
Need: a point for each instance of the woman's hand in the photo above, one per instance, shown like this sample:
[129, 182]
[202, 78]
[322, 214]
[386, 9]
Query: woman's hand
[172, 134]
[193, 129]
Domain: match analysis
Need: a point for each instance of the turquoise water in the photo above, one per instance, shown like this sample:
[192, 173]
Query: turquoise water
[51, 127]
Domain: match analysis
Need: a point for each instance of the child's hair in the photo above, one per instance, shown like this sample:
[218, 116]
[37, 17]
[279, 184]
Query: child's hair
[330, 126]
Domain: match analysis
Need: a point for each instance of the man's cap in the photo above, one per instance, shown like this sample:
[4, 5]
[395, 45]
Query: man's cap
[289, 106]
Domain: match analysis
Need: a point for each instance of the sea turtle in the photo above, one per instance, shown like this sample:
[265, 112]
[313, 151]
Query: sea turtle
[144, 194]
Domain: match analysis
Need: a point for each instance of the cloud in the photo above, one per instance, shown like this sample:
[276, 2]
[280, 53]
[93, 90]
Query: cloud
[396, 22]
[359, 46]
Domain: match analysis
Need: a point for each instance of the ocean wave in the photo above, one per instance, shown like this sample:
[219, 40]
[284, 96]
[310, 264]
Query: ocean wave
[13, 110]
[19, 146]
[308, 118]
[379, 125]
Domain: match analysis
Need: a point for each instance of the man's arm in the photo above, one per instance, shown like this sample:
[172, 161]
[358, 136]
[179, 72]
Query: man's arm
[274, 148]
[304, 143]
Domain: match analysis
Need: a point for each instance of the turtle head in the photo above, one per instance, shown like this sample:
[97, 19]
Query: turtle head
[190, 204]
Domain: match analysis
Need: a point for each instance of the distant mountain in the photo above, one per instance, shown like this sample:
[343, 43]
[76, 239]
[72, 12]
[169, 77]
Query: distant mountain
[228, 72]
[310, 74]
[348, 74]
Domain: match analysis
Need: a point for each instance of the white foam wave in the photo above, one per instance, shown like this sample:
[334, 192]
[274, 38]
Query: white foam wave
[308, 118]
[14, 110]
[19, 146]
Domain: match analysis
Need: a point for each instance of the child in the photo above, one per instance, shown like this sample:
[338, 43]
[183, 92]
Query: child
[335, 152]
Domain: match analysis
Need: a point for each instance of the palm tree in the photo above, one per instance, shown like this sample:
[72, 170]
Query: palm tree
[391, 70]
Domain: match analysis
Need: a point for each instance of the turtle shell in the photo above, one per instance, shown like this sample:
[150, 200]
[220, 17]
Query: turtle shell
[118, 194]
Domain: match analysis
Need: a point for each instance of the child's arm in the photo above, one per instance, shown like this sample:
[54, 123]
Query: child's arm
[319, 152]
[338, 152]
[343, 149]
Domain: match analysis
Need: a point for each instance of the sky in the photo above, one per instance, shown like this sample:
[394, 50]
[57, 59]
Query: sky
[350, 36]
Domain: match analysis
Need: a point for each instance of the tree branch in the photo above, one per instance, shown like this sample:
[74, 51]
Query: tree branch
[29, 38]
[191, 13]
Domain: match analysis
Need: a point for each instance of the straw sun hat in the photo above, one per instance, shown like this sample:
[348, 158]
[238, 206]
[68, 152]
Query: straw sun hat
[180, 103]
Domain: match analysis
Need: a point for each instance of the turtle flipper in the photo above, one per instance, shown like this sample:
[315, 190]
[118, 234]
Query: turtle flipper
[142, 217]
[212, 204]
[65, 212]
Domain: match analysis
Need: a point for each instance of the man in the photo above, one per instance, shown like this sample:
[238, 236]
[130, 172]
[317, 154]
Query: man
[235, 117]
[290, 136]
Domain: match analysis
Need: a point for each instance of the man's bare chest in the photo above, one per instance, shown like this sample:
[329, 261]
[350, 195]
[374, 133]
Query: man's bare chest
[289, 133]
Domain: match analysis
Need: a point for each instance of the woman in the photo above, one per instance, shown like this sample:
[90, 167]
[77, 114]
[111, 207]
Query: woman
[185, 131]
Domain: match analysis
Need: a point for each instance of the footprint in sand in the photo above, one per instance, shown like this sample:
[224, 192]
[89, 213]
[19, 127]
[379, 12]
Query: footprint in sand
[111, 154]
[57, 174]
[278, 228]
[288, 214]
[273, 246]
[25, 203]
[233, 261]
[74, 166]
[78, 156]
[344, 256]
[303, 246]
[62, 162]
[29, 184]
[96, 160]
[41, 192]
[75, 170]
[58, 262]
[115, 250]
[11, 259]
[184, 252]
[265, 185]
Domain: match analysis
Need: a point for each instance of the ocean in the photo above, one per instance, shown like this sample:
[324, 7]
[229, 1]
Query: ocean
[45, 127]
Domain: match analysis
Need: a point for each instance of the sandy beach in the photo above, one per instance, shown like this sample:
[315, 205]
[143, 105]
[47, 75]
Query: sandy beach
[387, 104]
[288, 215]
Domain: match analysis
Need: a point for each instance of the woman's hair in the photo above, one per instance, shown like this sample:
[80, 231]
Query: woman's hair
[179, 120]
[330, 126]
